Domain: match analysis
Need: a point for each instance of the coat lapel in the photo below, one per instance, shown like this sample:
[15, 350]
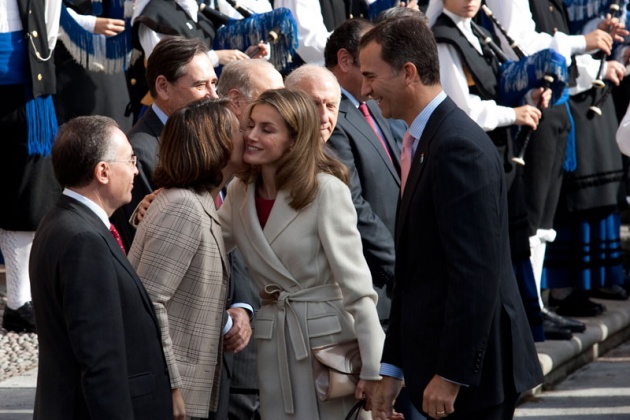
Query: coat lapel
[207, 203]
[355, 119]
[421, 159]
[383, 123]
[96, 223]
[261, 240]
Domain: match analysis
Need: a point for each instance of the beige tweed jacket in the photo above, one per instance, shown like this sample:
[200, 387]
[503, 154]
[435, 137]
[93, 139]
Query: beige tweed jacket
[179, 255]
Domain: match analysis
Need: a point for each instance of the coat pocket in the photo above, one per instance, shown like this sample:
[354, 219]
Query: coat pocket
[263, 328]
[323, 324]
[141, 384]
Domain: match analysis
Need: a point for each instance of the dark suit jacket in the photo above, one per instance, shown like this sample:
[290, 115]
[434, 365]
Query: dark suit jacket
[100, 353]
[145, 140]
[374, 183]
[456, 310]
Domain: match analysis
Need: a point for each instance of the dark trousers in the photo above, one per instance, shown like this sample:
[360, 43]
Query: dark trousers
[503, 411]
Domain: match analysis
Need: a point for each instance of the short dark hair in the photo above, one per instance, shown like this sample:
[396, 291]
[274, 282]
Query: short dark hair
[195, 146]
[80, 144]
[346, 36]
[407, 39]
[170, 57]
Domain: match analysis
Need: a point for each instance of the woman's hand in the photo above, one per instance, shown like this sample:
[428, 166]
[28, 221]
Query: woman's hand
[257, 51]
[179, 408]
[536, 95]
[225, 56]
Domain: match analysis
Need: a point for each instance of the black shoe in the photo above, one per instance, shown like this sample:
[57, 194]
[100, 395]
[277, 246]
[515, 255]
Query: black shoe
[553, 332]
[19, 320]
[577, 304]
[562, 322]
[615, 292]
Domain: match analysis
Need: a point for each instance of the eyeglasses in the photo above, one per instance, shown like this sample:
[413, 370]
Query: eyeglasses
[133, 160]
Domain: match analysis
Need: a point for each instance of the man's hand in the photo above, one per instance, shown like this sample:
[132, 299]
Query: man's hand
[438, 400]
[108, 27]
[257, 51]
[614, 27]
[143, 206]
[527, 115]
[237, 338]
[598, 40]
[543, 93]
[615, 71]
[381, 397]
[179, 408]
[225, 56]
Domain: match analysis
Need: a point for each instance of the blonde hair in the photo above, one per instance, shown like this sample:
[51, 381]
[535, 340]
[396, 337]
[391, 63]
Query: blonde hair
[298, 168]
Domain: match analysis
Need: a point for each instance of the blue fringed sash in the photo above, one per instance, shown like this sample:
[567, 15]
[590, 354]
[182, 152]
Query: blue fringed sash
[40, 112]
[98, 52]
[570, 155]
[42, 125]
[241, 33]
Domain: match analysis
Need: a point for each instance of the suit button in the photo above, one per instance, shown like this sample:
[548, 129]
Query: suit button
[550, 9]
[39, 76]
[133, 82]
[35, 34]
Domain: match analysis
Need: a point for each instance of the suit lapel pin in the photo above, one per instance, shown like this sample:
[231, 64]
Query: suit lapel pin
[421, 158]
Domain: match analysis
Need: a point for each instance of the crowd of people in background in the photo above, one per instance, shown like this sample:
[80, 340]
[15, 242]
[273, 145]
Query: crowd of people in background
[200, 196]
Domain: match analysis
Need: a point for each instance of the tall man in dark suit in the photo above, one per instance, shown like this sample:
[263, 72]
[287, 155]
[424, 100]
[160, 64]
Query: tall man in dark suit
[364, 142]
[458, 331]
[100, 353]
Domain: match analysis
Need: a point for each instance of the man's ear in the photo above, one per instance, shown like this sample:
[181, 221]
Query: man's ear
[411, 73]
[101, 172]
[162, 87]
[344, 60]
[238, 100]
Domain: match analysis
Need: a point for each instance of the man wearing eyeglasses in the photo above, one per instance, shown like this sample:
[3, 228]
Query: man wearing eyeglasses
[100, 352]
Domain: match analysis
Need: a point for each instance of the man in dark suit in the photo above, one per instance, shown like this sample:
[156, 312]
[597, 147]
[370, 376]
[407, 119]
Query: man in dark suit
[365, 144]
[100, 353]
[458, 331]
[178, 74]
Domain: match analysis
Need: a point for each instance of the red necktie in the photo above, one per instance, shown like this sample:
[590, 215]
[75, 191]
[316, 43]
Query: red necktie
[116, 236]
[366, 113]
[218, 201]
[405, 159]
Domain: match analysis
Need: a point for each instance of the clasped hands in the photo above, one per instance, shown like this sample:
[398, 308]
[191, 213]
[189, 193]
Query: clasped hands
[438, 400]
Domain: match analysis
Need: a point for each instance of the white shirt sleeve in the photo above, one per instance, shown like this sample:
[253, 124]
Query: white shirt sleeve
[87, 22]
[487, 114]
[51, 17]
[312, 33]
[623, 134]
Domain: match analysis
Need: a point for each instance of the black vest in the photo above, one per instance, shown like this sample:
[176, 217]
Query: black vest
[550, 17]
[42, 72]
[167, 17]
[334, 12]
[484, 69]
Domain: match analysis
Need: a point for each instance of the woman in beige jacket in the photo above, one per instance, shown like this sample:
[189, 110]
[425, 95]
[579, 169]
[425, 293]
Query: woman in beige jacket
[179, 255]
[292, 217]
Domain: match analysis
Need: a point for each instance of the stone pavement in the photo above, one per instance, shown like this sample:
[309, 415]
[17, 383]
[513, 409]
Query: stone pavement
[597, 391]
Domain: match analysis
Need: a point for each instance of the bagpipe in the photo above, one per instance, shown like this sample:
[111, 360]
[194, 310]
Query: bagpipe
[545, 68]
[98, 52]
[277, 27]
[580, 12]
[614, 9]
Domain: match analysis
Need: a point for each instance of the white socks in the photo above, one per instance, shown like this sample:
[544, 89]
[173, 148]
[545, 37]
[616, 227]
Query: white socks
[538, 246]
[16, 249]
